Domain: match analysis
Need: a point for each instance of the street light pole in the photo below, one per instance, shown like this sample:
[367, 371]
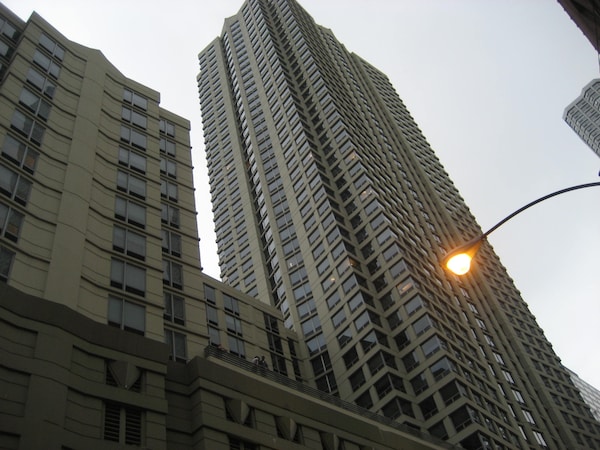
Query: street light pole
[459, 259]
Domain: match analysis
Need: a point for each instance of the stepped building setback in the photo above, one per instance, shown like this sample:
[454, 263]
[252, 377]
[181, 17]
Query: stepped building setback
[331, 206]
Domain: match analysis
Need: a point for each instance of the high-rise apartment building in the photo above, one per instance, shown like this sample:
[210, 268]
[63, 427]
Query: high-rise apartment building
[583, 115]
[110, 335]
[330, 205]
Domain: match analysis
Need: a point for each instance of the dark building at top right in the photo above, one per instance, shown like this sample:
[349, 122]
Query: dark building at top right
[330, 205]
[586, 15]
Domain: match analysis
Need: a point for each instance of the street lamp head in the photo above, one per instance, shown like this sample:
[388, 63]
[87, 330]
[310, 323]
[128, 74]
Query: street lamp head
[458, 261]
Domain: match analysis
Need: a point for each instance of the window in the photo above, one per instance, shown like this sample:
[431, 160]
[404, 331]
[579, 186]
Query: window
[171, 242]
[41, 82]
[129, 243]
[170, 215]
[167, 127]
[167, 146]
[14, 186]
[236, 346]
[357, 379]
[432, 345]
[214, 336]
[210, 294]
[306, 308]
[45, 63]
[132, 160]
[414, 304]
[321, 363]
[231, 304]
[10, 222]
[135, 99]
[234, 325]
[172, 274]
[339, 318]
[311, 326]
[122, 424]
[174, 308]
[130, 212]
[35, 104]
[177, 345]
[52, 47]
[168, 167]
[134, 117]
[127, 277]
[344, 337]
[131, 184]
[20, 154]
[133, 137]
[6, 259]
[316, 344]
[168, 190]
[27, 127]
[126, 315]
[397, 407]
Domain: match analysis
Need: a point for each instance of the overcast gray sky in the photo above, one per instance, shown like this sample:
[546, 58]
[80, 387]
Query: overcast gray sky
[487, 82]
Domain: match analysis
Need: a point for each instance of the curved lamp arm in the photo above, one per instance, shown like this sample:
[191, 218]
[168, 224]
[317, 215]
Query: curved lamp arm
[459, 259]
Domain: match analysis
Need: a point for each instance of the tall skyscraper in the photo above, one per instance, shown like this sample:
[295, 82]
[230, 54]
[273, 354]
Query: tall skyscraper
[583, 115]
[330, 205]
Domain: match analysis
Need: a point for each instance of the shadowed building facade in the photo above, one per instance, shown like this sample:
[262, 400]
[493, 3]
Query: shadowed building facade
[330, 205]
[110, 334]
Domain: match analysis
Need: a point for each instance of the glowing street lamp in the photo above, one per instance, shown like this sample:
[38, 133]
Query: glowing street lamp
[458, 260]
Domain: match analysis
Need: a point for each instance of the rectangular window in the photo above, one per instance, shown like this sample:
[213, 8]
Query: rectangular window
[236, 346]
[135, 99]
[167, 128]
[172, 274]
[20, 154]
[128, 277]
[132, 160]
[52, 47]
[129, 243]
[210, 294]
[174, 308]
[14, 186]
[167, 146]
[126, 315]
[234, 325]
[46, 64]
[35, 104]
[130, 212]
[41, 82]
[168, 167]
[27, 127]
[171, 242]
[133, 137]
[131, 184]
[231, 304]
[134, 117]
[6, 259]
[10, 222]
[177, 345]
[168, 190]
[169, 215]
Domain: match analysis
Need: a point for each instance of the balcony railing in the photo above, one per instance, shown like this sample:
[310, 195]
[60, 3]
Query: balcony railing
[223, 355]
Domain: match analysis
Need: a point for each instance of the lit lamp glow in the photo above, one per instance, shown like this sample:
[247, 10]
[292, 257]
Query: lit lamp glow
[458, 261]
